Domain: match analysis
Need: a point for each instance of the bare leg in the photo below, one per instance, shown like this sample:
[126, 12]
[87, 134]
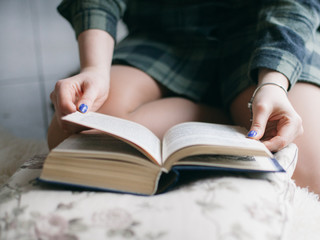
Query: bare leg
[239, 111]
[139, 98]
[305, 98]
[136, 96]
[164, 113]
[55, 133]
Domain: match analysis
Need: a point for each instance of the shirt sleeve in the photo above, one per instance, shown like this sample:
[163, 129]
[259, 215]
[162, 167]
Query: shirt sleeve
[286, 30]
[93, 14]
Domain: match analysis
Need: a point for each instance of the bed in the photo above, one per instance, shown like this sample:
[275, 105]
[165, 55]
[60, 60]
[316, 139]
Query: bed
[246, 206]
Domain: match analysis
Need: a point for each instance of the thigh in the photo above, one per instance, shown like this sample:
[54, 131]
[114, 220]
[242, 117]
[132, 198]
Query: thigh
[239, 111]
[305, 99]
[129, 89]
[185, 64]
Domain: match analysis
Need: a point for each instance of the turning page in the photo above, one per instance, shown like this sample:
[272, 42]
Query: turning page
[131, 132]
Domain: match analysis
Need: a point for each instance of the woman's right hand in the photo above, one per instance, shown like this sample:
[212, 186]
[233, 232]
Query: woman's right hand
[86, 91]
[89, 89]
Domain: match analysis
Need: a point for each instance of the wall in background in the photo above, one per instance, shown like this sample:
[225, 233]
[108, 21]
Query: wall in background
[37, 47]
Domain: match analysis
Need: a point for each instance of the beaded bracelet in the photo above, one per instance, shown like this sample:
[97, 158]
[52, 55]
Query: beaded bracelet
[257, 89]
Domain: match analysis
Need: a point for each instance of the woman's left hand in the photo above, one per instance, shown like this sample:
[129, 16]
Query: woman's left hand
[274, 120]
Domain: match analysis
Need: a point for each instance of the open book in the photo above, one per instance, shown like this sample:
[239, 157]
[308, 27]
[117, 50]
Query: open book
[127, 157]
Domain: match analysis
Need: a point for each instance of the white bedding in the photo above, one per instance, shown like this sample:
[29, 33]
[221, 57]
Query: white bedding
[230, 207]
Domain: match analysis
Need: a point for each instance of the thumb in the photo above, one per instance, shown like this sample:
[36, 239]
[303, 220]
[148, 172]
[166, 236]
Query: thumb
[86, 101]
[258, 126]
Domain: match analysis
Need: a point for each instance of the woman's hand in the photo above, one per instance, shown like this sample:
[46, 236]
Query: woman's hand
[274, 120]
[87, 90]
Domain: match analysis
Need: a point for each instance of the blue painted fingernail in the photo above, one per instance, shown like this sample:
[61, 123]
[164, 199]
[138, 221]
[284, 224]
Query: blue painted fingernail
[83, 108]
[252, 133]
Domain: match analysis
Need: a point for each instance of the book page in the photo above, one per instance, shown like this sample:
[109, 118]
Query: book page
[255, 163]
[131, 132]
[199, 134]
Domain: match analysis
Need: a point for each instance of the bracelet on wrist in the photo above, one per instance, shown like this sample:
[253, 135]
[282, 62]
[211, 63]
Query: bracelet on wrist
[257, 89]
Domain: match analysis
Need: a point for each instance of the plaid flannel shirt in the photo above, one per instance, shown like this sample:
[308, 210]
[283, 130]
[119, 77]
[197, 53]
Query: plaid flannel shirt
[287, 30]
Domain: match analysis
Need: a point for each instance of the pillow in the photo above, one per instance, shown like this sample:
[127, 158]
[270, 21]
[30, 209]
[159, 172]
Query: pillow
[246, 206]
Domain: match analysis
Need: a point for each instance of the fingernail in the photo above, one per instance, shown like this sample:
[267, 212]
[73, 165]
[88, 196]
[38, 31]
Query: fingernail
[252, 133]
[83, 108]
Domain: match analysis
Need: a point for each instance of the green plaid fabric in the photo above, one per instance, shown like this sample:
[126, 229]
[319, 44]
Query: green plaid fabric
[92, 14]
[209, 50]
[200, 69]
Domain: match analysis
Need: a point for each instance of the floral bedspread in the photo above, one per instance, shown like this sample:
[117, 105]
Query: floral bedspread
[228, 207]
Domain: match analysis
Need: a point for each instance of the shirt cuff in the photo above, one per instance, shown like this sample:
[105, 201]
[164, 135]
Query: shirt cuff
[278, 60]
[95, 19]
[84, 15]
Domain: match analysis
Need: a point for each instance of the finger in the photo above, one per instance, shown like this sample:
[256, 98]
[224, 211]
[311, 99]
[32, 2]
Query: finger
[276, 143]
[65, 95]
[53, 98]
[287, 133]
[259, 122]
[284, 136]
[270, 130]
[86, 101]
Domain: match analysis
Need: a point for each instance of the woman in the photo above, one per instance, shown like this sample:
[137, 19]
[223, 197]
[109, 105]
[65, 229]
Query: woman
[200, 61]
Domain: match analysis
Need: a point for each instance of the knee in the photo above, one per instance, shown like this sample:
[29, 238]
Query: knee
[55, 134]
[130, 88]
[117, 108]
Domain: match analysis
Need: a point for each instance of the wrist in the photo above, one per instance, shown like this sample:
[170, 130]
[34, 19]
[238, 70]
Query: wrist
[95, 68]
[95, 49]
[272, 76]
